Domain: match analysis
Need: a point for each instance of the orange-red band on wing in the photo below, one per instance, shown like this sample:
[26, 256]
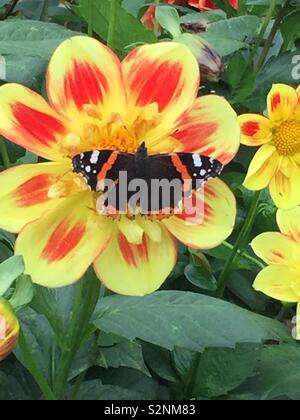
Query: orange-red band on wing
[107, 166]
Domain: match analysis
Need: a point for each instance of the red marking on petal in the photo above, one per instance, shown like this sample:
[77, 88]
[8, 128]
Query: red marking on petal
[210, 191]
[62, 241]
[157, 82]
[250, 128]
[133, 253]
[85, 84]
[34, 191]
[276, 100]
[39, 125]
[278, 254]
[126, 250]
[142, 249]
[193, 136]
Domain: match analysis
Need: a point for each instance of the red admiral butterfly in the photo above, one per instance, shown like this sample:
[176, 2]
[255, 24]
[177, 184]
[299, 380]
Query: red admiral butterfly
[188, 169]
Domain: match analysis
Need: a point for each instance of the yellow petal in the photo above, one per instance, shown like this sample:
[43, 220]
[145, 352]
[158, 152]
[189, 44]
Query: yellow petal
[27, 120]
[262, 168]
[210, 128]
[136, 270]
[276, 281]
[284, 186]
[83, 72]
[165, 74]
[282, 102]
[66, 241]
[289, 223]
[256, 129]
[217, 217]
[24, 193]
[275, 248]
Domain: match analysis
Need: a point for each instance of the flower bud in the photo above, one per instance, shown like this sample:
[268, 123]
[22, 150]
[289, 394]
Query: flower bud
[210, 62]
[9, 329]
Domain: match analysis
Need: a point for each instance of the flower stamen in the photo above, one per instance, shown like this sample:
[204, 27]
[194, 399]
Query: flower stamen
[287, 138]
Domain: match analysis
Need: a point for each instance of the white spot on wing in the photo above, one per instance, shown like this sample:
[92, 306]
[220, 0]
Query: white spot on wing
[202, 172]
[197, 160]
[88, 169]
[95, 156]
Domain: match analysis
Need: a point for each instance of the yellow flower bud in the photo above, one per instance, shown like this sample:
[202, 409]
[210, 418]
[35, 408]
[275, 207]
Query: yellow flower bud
[9, 329]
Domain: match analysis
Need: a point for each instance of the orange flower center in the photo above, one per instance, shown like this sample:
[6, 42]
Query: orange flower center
[121, 140]
[287, 138]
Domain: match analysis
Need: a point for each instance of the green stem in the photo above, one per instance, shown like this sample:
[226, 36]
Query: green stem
[246, 256]
[90, 26]
[270, 39]
[34, 369]
[79, 325]
[241, 239]
[4, 153]
[156, 23]
[45, 11]
[263, 29]
[112, 23]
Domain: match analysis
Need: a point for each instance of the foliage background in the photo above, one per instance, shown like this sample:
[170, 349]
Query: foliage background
[181, 342]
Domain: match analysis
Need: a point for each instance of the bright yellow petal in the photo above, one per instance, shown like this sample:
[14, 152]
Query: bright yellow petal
[81, 72]
[136, 270]
[284, 186]
[289, 223]
[58, 248]
[262, 168]
[210, 127]
[27, 120]
[276, 281]
[165, 74]
[215, 220]
[282, 101]
[24, 193]
[275, 248]
[255, 129]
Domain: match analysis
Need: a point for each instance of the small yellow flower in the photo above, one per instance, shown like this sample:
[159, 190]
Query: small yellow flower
[9, 329]
[281, 251]
[99, 103]
[277, 162]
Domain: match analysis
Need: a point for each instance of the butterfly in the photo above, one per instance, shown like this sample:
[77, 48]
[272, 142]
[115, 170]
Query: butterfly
[184, 172]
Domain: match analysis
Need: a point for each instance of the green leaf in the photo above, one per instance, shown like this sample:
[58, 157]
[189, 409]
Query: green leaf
[184, 319]
[200, 277]
[16, 383]
[228, 36]
[290, 28]
[222, 370]
[168, 19]
[129, 30]
[42, 341]
[25, 48]
[10, 269]
[96, 390]
[124, 353]
[279, 375]
[23, 293]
